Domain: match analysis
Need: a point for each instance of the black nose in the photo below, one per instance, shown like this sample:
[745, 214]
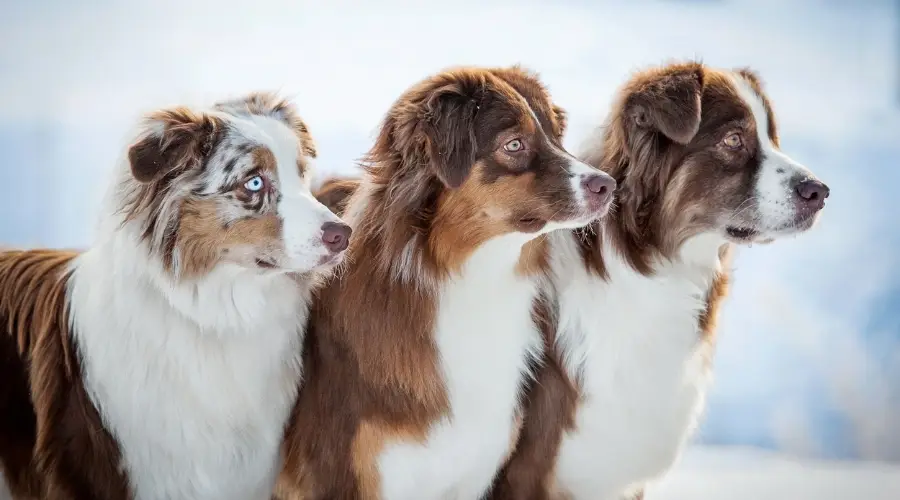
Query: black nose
[599, 188]
[336, 236]
[812, 193]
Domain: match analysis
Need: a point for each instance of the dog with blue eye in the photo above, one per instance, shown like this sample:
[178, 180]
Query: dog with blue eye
[163, 361]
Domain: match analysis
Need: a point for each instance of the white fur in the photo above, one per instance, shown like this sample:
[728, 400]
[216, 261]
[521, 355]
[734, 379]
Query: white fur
[778, 173]
[194, 379]
[303, 215]
[485, 335]
[635, 345]
[579, 172]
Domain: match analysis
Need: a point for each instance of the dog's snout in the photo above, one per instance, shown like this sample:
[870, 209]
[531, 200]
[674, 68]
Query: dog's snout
[599, 188]
[811, 193]
[336, 236]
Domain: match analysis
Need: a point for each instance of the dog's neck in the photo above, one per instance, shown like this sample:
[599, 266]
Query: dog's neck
[229, 300]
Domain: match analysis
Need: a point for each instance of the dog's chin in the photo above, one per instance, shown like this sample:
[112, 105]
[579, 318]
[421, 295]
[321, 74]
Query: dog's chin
[741, 235]
[581, 219]
[329, 261]
[746, 235]
[267, 266]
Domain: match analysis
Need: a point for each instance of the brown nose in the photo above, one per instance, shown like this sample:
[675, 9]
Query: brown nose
[811, 194]
[598, 189]
[336, 236]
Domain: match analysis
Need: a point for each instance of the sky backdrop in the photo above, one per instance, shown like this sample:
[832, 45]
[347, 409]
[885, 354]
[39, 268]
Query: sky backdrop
[809, 344]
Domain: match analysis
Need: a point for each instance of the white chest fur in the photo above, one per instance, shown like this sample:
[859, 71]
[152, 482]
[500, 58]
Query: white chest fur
[635, 344]
[198, 411]
[485, 335]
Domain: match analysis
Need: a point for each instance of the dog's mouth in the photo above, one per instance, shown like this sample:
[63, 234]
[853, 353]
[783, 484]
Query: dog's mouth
[530, 224]
[741, 234]
[265, 264]
[331, 259]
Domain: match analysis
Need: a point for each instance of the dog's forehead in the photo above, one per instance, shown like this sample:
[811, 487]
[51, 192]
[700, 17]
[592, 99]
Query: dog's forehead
[739, 94]
[530, 101]
[261, 131]
[252, 143]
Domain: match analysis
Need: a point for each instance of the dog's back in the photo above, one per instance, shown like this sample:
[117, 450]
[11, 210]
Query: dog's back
[52, 441]
[32, 318]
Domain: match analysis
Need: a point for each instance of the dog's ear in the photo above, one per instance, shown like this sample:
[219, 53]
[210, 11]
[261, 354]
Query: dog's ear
[666, 101]
[171, 139]
[449, 128]
[562, 120]
[334, 193]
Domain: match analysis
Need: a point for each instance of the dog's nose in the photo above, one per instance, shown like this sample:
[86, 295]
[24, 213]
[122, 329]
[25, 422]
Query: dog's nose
[336, 236]
[599, 188]
[812, 193]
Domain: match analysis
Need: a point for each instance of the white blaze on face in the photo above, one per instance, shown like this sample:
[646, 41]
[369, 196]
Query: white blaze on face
[302, 215]
[578, 172]
[778, 174]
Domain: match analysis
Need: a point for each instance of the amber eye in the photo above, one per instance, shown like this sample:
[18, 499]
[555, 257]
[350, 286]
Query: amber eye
[514, 146]
[733, 140]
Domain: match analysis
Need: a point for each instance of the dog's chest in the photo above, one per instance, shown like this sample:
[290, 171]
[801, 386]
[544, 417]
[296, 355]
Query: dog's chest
[197, 415]
[635, 345]
[485, 335]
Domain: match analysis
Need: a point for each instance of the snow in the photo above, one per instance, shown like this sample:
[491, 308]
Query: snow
[747, 474]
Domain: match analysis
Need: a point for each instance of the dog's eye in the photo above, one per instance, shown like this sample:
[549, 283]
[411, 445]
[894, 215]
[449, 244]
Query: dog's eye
[733, 140]
[254, 184]
[514, 146]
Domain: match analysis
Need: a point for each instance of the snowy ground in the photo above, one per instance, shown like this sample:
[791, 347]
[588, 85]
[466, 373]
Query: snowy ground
[707, 473]
[746, 474]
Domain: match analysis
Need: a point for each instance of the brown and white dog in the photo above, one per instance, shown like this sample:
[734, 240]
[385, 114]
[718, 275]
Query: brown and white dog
[696, 156]
[417, 351]
[163, 362]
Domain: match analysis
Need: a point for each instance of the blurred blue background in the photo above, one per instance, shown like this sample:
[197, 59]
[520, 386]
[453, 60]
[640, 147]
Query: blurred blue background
[809, 353]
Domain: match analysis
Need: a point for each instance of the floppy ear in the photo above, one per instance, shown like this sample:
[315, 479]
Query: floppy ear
[449, 127]
[667, 102]
[172, 139]
[334, 193]
[562, 120]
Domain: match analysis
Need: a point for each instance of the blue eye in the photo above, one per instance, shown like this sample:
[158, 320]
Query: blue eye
[254, 184]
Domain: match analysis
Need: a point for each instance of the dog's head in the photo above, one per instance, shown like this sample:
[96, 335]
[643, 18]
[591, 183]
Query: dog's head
[695, 150]
[230, 184]
[477, 152]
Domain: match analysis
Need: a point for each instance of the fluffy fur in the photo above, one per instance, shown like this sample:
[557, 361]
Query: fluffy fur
[334, 193]
[163, 362]
[696, 155]
[417, 353]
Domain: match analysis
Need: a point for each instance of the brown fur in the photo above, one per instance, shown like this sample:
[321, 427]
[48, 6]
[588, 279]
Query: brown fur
[662, 116]
[437, 189]
[269, 104]
[52, 442]
[175, 152]
[335, 193]
[549, 409]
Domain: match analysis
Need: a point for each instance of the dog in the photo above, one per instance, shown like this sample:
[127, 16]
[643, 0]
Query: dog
[418, 349]
[163, 362]
[696, 156]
